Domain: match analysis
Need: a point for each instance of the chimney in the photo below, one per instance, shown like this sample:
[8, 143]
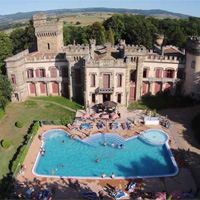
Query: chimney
[92, 47]
[108, 47]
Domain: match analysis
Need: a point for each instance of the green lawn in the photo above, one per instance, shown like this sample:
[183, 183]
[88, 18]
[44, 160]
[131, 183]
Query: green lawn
[61, 100]
[160, 102]
[27, 113]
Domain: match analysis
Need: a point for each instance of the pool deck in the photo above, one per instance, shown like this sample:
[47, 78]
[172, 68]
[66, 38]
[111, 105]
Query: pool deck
[61, 188]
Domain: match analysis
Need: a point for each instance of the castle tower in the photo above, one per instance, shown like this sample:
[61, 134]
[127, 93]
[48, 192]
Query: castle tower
[49, 33]
[192, 67]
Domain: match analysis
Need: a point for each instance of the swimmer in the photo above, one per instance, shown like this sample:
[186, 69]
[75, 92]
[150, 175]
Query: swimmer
[112, 176]
[104, 144]
[52, 171]
[61, 165]
[112, 145]
[63, 141]
[121, 146]
[103, 175]
[97, 160]
[42, 153]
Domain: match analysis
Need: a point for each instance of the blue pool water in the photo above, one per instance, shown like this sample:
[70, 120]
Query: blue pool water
[137, 159]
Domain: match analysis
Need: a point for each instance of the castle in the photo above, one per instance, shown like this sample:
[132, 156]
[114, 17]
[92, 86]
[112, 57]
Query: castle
[94, 74]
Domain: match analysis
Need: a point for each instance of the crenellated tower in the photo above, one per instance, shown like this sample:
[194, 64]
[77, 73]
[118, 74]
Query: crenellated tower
[49, 33]
[192, 67]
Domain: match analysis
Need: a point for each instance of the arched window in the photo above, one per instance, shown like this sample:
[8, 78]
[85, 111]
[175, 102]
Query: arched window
[145, 73]
[158, 73]
[30, 73]
[169, 73]
[13, 78]
[53, 72]
[133, 76]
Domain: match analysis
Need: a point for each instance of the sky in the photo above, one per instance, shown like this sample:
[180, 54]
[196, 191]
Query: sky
[190, 7]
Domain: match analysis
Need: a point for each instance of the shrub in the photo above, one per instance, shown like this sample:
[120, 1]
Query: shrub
[19, 124]
[5, 144]
[78, 23]
[64, 121]
[24, 149]
[57, 122]
[1, 113]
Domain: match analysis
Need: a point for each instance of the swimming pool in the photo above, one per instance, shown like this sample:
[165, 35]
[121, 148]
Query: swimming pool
[138, 159]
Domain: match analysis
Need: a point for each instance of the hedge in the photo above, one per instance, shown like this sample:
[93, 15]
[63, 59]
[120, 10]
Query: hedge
[5, 144]
[24, 148]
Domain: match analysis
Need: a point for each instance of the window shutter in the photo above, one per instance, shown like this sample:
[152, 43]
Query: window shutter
[37, 73]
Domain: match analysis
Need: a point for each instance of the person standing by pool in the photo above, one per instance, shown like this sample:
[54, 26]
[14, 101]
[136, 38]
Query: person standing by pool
[52, 171]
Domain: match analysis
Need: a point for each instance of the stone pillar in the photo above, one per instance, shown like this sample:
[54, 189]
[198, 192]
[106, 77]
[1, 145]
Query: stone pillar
[34, 73]
[59, 88]
[37, 89]
[151, 87]
[163, 86]
[139, 72]
[48, 89]
[70, 80]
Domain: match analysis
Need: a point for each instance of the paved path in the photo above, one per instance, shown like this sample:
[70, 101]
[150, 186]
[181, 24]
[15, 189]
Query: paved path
[176, 138]
[52, 102]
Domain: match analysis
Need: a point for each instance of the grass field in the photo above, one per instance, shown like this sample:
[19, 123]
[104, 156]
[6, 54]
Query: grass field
[61, 100]
[27, 113]
[85, 18]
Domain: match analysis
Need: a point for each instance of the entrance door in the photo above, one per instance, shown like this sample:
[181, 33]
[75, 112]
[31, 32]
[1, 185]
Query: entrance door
[106, 97]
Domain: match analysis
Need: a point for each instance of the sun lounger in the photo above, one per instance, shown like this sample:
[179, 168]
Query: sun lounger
[124, 126]
[131, 186]
[29, 191]
[100, 125]
[46, 194]
[120, 195]
[89, 195]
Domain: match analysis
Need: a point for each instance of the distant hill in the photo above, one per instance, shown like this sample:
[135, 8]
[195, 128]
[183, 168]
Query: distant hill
[23, 16]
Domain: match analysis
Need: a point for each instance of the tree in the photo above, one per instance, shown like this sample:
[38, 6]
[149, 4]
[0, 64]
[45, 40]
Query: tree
[23, 38]
[78, 23]
[97, 31]
[110, 36]
[116, 23]
[5, 87]
[5, 50]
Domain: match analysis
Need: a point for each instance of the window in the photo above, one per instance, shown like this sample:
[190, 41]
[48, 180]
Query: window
[53, 72]
[92, 80]
[133, 76]
[193, 65]
[48, 46]
[77, 76]
[119, 97]
[30, 73]
[106, 81]
[158, 73]
[93, 98]
[119, 80]
[42, 73]
[13, 78]
[145, 73]
[169, 73]
[64, 72]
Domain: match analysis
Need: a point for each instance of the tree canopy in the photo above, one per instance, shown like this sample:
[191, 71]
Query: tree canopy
[5, 50]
